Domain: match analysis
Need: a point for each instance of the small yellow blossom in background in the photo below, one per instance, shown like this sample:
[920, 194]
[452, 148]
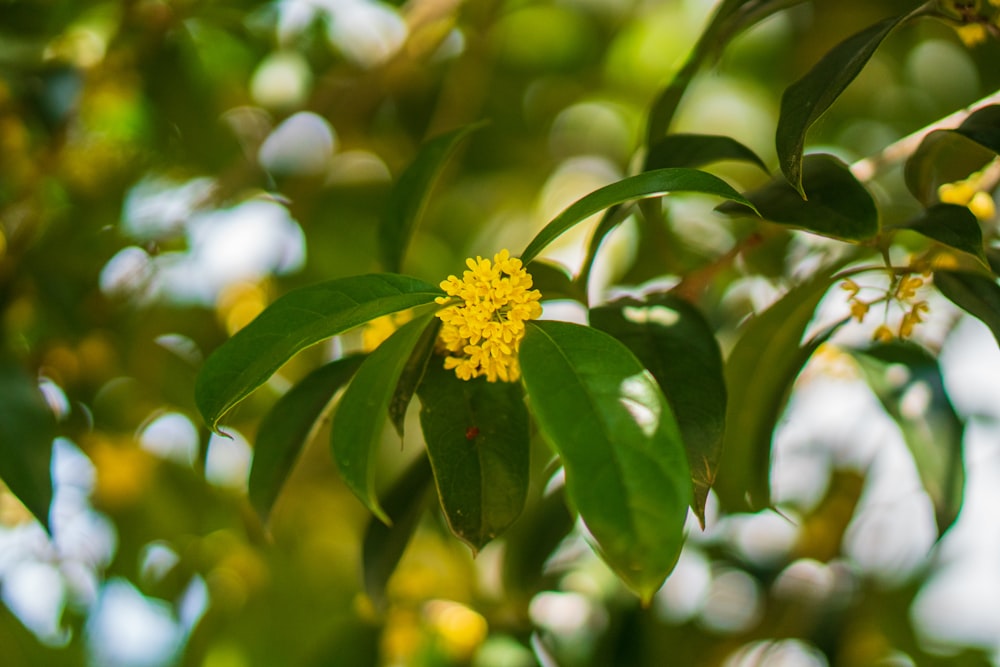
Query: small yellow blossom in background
[969, 193]
[972, 34]
[908, 286]
[482, 333]
[883, 334]
[376, 331]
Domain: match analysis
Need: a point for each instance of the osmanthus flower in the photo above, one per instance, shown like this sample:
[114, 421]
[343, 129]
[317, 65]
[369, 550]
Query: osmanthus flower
[483, 323]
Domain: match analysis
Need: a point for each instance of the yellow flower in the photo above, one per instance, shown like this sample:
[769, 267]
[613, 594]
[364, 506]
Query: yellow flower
[484, 322]
[858, 310]
[907, 288]
[982, 206]
[972, 34]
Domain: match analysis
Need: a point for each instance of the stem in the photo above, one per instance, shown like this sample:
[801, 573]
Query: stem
[866, 169]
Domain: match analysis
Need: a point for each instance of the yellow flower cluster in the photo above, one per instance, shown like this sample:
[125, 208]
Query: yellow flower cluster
[484, 322]
[904, 293]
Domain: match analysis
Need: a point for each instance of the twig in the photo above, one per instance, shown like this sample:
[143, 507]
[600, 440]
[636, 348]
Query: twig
[865, 169]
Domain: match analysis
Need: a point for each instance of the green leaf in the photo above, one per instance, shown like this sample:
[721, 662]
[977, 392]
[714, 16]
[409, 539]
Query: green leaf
[413, 372]
[949, 155]
[954, 226]
[626, 470]
[409, 196]
[675, 343]
[289, 425]
[383, 546]
[697, 150]
[295, 321]
[530, 543]
[898, 372]
[27, 429]
[554, 282]
[760, 371]
[358, 420]
[839, 206]
[647, 184]
[976, 294]
[478, 441]
[808, 98]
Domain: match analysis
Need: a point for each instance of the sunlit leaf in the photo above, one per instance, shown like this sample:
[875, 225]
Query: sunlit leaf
[675, 343]
[907, 380]
[839, 206]
[293, 322]
[27, 429]
[648, 184]
[954, 226]
[697, 150]
[976, 294]
[383, 546]
[626, 470]
[289, 425]
[760, 370]
[361, 413]
[410, 193]
[808, 98]
[949, 155]
[478, 441]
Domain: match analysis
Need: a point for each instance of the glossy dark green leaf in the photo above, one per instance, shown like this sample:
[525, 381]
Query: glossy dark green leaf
[897, 372]
[361, 413]
[293, 322]
[698, 150]
[413, 372]
[839, 206]
[410, 193]
[288, 427]
[626, 470]
[949, 155]
[808, 98]
[383, 546]
[976, 294]
[954, 226]
[554, 282]
[647, 184]
[27, 429]
[478, 441]
[675, 343]
[760, 370]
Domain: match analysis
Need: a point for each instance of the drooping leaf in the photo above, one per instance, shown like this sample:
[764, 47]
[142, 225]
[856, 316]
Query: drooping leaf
[413, 372]
[626, 470]
[953, 225]
[949, 155]
[934, 433]
[731, 18]
[698, 150]
[647, 184]
[675, 343]
[976, 294]
[383, 546]
[409, 195]
[760, 371]
[478, 441]
[27, 429]
[839, 206]
[361, 413]
[288, 427]
[807, 99]
[293, 322]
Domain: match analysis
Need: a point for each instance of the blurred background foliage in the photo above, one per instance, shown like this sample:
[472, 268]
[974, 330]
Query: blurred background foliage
[168, 167]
